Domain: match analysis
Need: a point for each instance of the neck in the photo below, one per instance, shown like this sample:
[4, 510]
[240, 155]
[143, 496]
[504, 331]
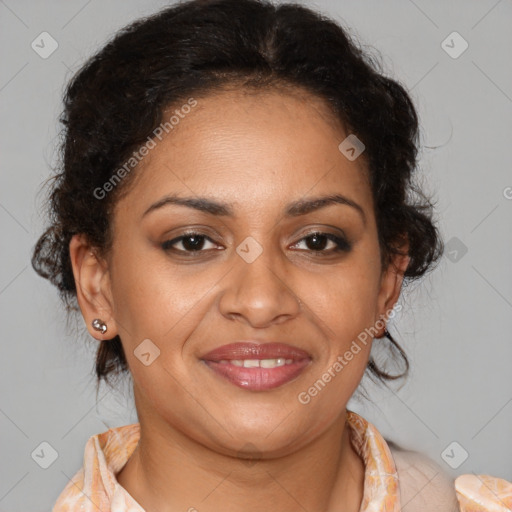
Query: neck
[168, 471]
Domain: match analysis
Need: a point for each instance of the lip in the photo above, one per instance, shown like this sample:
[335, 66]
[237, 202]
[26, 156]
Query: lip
[255, 350]
[257, 379]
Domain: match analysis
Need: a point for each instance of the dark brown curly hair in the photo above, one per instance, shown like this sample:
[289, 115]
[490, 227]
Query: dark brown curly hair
[118, 97]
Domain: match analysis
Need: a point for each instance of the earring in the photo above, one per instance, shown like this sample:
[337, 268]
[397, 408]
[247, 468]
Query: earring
[99, 325]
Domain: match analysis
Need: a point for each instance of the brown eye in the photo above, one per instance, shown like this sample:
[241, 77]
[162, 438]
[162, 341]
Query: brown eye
[317, 242]
[191, 242]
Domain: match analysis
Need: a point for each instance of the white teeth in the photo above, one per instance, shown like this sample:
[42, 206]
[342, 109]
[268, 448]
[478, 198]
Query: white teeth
[257, 363]
[251, 363]
[272, 363]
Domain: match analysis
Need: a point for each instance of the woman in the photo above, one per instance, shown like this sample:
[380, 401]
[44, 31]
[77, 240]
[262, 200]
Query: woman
[233, 218]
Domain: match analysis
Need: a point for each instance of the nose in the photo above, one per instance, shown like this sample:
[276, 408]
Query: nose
[259, 293]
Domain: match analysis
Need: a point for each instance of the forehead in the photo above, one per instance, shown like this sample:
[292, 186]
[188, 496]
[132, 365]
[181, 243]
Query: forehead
[249, 146]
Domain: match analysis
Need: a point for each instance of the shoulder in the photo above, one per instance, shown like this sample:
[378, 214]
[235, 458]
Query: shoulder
[424, 484]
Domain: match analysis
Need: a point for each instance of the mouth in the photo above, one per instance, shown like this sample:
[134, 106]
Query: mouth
[257, 367]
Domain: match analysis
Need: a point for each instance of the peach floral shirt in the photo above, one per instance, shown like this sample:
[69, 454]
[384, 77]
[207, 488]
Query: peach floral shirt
[94, 488]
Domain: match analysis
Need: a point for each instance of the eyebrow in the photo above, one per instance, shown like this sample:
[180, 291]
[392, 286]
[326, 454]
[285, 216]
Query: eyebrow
[294, 209]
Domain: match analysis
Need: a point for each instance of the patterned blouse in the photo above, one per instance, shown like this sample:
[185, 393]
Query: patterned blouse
[94, 488]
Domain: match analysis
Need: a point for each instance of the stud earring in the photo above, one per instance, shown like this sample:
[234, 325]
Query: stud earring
[99, 325]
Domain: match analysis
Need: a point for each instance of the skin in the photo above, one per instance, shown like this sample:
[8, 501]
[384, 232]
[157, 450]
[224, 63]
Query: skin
[259, 152]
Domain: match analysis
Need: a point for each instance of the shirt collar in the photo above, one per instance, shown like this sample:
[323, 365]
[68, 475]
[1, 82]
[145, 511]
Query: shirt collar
[95, 487]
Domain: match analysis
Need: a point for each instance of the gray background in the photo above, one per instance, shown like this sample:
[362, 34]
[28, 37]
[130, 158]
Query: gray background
[456, 326]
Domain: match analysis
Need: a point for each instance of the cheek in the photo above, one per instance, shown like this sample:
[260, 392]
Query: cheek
[347, 298]
[163, 304]
[345, 314]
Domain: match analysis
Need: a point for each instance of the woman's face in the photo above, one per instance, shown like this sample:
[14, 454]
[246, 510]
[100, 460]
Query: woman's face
[252, 271]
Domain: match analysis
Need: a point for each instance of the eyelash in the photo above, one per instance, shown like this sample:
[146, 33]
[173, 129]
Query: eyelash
[342, 245]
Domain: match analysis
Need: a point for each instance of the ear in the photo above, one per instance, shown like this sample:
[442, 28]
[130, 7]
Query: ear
[93, 290]
[391, 283]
